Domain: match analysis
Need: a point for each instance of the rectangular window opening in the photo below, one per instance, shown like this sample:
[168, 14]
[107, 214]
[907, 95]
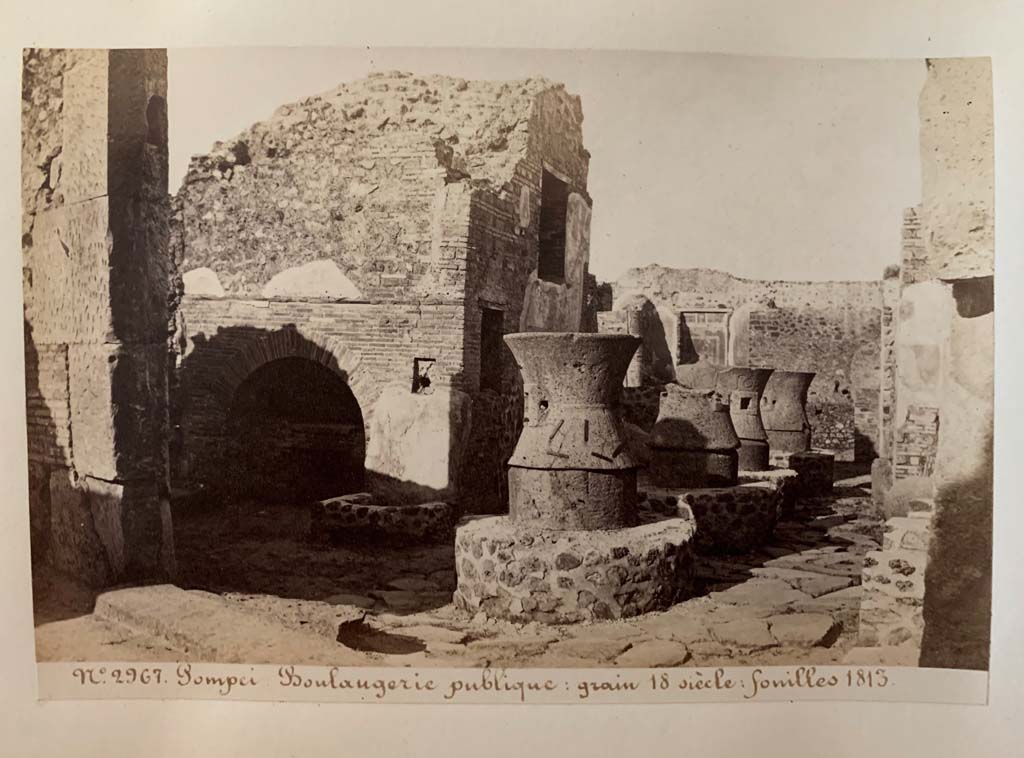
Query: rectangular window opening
[554, 205]
[421, 378]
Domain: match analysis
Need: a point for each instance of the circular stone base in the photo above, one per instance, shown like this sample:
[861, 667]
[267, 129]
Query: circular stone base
[557, 577]
[727, 519]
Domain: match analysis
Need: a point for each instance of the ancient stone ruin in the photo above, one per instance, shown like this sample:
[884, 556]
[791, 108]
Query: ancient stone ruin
[785, 412]
[742, 388]
[368, 248]
[318, 319]
[570, 548]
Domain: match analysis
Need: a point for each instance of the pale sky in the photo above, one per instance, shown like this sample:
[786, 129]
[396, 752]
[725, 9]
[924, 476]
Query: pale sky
[768, 168]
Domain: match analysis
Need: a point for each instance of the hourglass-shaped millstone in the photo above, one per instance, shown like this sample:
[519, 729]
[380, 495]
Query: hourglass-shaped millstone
[784, 411]
[742, 388]
[693, 442]
[570, 468]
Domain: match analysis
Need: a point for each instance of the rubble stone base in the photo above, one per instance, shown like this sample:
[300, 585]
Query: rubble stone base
[726, 519]
[815, 472]
[784, 480]
[514, 572]
[357, 518]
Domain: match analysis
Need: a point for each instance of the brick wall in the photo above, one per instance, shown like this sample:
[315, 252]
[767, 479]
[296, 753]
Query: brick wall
[425, 196]
[371, 345]
[916, 443]
[831, 328]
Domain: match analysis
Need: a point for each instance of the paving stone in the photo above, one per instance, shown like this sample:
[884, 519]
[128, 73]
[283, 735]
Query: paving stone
[218, 630]
[676, 626]
[610, 631]
[834, 563]
[745, 633]
[359, 601]
[804, 629]
[594, 649]
[654, 654]
[813, 583]
[772, 592]
[504, 648]
[709, 650]
[898, 655]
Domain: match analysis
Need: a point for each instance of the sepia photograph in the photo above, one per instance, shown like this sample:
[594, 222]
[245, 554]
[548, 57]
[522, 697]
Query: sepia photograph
[507, 360]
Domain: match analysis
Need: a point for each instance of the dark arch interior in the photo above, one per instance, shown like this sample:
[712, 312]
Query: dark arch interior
[295, 431]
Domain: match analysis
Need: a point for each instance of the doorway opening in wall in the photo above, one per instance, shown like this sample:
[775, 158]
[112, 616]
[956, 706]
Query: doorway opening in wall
[491, 348]
[703, 335]
[554, 205]
[295, 430]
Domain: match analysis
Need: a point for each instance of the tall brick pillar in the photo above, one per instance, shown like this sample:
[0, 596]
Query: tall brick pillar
[110, 513]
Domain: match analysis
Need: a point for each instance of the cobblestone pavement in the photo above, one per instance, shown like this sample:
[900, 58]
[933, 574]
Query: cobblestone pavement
[794, 600]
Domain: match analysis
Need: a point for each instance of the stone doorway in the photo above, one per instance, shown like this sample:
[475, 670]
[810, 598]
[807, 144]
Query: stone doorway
[295, 431]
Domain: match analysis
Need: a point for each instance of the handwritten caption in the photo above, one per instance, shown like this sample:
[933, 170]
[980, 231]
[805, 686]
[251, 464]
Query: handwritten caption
[499, 685]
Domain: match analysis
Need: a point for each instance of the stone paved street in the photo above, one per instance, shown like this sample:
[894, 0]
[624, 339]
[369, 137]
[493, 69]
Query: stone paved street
[794, 600]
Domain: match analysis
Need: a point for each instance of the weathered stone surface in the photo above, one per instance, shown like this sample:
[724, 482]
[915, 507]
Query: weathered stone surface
[508, 571]
[728, 519]
[202, 282]
[416, 441]
[654, 654]
[693, 442]
[785, 412]
[765, 592]
[810, 582]
[207, 626]
[357, 518]
[744, 633]
[509, 648]
[742, 387]
[804, 629]
[316, 279]
[678, 626]
[344, 598]
[118, 401]
[596, 650]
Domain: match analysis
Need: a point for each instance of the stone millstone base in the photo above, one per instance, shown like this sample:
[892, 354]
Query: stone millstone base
[689, 468]
[514, 572]
[815, 472]
[753, 455]
[727, 519]
[356, 518]
[784, 480]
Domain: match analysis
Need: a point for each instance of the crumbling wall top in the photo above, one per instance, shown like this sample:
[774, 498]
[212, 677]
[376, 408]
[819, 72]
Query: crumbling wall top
[357, 176]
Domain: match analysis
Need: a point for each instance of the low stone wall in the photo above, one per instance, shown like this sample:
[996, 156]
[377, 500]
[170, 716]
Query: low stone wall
[815, 473]
[558, 577]
[726, 519]
[357, 518]
[786, 482]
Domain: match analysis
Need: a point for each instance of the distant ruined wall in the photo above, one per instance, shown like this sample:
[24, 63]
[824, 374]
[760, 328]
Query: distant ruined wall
[97, 309]
[832, 328]
[397, 220]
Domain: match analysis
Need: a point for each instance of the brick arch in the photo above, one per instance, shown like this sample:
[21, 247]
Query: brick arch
[295, 342]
